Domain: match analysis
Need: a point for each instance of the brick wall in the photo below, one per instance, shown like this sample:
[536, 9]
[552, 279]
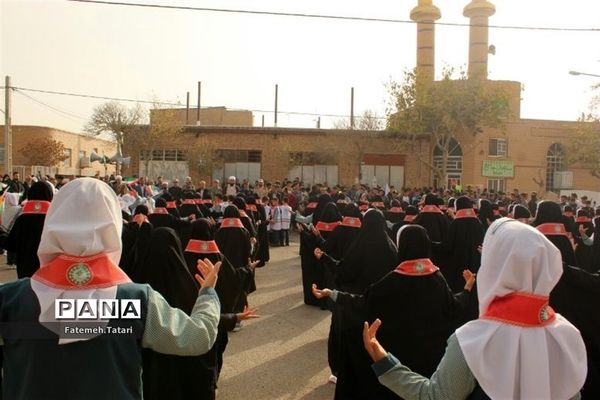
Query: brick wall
[23, 134]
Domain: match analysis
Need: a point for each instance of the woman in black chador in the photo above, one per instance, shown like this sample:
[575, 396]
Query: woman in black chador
[550, 221]
[164, 268]
[419, 308]
[460, 249]
[24, 237]
[231, 284]
[432, 219]
[234, 243]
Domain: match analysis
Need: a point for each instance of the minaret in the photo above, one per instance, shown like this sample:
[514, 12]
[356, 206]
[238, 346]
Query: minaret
[425, 14]
[478, 11]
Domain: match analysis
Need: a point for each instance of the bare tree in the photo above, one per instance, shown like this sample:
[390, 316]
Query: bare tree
[368, 121]
[116, 120]
[164, 130]
[366, 127]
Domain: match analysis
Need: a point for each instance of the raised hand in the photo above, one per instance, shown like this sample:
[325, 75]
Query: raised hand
[318, 253]
[320, 293]
[248, 313]
[208, 273]
[139, 219]
[372, 345]
[469, 278]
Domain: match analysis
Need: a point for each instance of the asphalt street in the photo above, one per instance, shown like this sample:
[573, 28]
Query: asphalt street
[281, 355]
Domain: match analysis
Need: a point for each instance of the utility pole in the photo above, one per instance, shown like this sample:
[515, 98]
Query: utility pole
[198, 111]
[8, 164]
[276, 95]
[352, 108]
[187, 109]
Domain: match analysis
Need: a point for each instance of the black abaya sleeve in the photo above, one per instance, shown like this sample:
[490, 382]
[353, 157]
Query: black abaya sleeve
[581, 279]
[227, 322]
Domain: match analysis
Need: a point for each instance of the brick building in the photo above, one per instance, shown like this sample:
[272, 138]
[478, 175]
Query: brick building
[529, 154]
[313, 155]
[77, 149]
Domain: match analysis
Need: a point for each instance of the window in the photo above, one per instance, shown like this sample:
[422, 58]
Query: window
[254, 156]
[498, 185]
[233, 156]
[498, 147]
[1, 153]
[67, 161]
[163, 155]
[312, 158]
[170, 155]
[555, 162]
[157, 155]
[81, 154]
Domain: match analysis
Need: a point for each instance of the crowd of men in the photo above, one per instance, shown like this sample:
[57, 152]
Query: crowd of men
[448, 281]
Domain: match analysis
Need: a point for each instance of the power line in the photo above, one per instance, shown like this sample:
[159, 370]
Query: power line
[51, 108]
[96, 97]
[337, 17]
[92, 96]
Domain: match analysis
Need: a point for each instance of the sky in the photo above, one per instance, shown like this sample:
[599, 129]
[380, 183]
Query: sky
[146, 53]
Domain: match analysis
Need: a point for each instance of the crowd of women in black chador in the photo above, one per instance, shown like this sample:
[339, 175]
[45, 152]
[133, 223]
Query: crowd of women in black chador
[387, 265]
[162, 249]
[412, 266]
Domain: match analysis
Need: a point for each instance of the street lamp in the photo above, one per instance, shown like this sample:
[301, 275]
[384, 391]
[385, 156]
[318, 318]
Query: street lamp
[577, 73]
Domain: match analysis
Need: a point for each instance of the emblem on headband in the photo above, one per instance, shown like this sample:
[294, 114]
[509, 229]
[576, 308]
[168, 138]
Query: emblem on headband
[419, 268]
[557, 229]
[544, 314]
[79, 274]
[37, 206]
[204, 246]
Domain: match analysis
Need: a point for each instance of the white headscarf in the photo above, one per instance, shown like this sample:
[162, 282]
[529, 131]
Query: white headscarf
[400, 233]
[513, 362]
[84, 219]
[11, 208]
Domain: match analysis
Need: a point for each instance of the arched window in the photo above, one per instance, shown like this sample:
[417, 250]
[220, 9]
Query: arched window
[454, 164]
[555, 162]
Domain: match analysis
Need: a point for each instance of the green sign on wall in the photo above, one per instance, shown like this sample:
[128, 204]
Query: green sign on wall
[498, 169]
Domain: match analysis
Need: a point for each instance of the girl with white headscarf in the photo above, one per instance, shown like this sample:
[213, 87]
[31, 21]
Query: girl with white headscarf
[519, 348]
[48, 357]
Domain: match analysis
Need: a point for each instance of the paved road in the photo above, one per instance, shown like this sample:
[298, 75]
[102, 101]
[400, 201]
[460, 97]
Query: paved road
[283, 354]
